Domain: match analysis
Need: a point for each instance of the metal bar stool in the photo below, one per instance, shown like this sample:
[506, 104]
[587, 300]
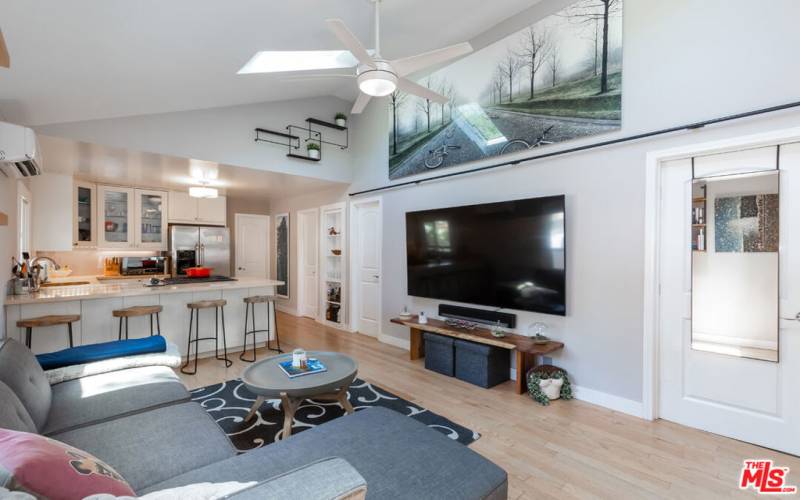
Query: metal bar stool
[52, 320]
[130, 312]
[194, 318]
[250, 312]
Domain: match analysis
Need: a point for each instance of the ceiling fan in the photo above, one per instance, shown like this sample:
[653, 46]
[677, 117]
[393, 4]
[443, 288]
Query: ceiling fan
[5, 59]
[376, 76]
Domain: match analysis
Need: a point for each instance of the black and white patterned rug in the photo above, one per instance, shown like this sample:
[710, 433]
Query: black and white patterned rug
[229, 402]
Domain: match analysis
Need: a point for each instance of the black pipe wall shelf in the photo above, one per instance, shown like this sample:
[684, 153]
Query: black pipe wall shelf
[311, 135]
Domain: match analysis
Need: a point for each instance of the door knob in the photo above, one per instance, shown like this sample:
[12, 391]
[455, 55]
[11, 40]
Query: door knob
[796, 318]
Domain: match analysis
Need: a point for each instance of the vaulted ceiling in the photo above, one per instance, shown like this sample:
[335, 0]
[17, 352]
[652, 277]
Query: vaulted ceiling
[88, 59]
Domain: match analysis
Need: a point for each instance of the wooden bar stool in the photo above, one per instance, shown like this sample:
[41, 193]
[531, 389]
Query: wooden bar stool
[250, 308]
[194, 318]
[52, 320]
[131, 312]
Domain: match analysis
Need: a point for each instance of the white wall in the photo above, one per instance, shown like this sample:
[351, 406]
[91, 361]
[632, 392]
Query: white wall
[683, 61]
[222, 135]
[8, 238]
[292, 206]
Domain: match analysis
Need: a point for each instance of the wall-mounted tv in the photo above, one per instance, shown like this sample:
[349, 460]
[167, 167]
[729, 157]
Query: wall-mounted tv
[510, 254]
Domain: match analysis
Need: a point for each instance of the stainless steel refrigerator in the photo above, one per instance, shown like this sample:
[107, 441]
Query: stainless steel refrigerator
[192, 246]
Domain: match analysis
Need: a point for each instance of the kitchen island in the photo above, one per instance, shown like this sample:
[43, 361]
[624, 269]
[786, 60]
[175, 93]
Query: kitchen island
[95, 301]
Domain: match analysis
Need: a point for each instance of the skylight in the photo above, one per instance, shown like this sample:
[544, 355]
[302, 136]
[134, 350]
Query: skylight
[271, 61]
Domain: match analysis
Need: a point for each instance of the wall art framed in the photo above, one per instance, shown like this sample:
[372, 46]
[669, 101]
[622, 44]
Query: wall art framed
[282, 254]
[555, 80]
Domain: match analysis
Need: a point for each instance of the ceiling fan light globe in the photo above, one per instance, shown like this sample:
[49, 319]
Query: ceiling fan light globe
[377, 83]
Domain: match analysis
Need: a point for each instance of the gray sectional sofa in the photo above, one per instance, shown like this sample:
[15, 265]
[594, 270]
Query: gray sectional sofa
[141, 422]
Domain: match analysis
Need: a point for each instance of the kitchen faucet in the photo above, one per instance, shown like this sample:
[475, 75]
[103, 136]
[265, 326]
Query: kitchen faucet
[45, 273]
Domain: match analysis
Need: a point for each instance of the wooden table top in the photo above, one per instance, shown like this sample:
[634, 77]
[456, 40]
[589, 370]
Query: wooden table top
[481, 335]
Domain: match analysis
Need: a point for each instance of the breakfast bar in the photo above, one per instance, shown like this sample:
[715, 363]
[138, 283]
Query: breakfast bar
[95, 301]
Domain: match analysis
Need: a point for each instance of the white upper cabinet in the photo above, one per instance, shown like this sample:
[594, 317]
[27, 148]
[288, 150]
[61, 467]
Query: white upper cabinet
[51, 212]
[116, 217]
[212, 210]
[151, 224]
[84, 215]
[132, 218]
[183, 209]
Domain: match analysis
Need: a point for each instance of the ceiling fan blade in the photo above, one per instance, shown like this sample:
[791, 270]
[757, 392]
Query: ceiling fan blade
[412, 64]
[349, 40]
[5, 59]
[360, 104]
[407, 85]
[279, 61]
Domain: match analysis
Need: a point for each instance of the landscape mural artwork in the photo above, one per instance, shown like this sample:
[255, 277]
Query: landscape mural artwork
[556, 80]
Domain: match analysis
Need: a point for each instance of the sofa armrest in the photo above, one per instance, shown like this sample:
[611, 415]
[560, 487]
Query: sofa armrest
[170, 358]
[327, 479]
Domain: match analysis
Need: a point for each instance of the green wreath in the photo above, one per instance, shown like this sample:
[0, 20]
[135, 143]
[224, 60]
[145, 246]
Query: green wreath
[547, 372]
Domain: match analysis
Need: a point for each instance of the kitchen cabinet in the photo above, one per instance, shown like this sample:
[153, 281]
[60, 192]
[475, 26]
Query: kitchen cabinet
[131, 218]
[84, 215]
[183, 209]
[151, 219]
[51, 214]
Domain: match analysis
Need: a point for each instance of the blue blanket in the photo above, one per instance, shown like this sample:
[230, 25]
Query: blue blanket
[99, 352]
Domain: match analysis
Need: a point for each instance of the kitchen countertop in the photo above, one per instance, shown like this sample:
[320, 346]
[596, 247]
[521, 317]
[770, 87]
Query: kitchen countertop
[98, 290]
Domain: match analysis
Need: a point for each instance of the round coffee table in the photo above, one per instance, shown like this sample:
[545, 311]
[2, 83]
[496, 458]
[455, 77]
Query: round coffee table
[268, 381]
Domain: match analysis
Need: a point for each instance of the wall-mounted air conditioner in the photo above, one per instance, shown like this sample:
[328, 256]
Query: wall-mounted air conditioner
[18, 152]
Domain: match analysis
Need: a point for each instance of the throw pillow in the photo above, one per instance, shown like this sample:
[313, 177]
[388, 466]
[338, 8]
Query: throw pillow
[47, 468]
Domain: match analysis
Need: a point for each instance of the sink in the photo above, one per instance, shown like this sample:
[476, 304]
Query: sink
[65, 283]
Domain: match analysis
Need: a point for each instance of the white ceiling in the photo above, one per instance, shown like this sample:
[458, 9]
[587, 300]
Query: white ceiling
[86, 59]
[108, 165]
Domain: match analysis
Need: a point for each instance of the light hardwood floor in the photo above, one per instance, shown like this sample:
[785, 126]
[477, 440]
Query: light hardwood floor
[569, 449]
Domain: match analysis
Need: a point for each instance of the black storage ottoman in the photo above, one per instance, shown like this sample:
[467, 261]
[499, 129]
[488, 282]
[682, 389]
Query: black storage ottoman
[481, 364]
[439, 355]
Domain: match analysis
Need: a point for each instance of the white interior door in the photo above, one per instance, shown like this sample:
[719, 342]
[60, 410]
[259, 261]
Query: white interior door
[252, 245]
[308, 279]
[367, 224]
[751, 400]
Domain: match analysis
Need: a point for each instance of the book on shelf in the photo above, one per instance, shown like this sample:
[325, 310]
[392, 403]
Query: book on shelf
[313, 365]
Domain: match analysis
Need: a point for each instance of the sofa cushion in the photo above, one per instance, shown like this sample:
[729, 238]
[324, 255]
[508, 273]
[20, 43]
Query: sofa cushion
[13, 414]
[152, 446]
[397, 456]
[328, 479]
[20, 371]
[49, 469]
[97, 398]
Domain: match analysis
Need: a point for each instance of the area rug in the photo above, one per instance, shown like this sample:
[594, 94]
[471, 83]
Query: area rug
[229, 402]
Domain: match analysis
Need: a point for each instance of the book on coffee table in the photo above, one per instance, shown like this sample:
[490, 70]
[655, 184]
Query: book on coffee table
[312, 366]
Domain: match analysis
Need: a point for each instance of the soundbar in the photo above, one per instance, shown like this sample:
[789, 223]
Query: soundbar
[507, 320]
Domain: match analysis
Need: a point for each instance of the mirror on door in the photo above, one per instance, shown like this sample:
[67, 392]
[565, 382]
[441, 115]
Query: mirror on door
[734, 220]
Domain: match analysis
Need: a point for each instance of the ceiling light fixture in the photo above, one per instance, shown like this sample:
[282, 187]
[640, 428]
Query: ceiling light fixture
[203, 192]
[379, 81]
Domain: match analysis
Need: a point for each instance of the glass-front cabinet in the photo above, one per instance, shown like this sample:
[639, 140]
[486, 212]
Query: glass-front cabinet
[132, 218]
[84, 212]
[151, 224]
[116, 210]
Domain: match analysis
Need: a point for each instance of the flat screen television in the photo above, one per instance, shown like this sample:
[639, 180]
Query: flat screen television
[509, 255]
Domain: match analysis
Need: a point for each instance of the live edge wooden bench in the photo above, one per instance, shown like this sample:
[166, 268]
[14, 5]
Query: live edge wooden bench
[526, 350]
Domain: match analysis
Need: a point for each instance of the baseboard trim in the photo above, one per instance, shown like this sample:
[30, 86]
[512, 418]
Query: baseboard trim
[287, 309]
[610, 401]
[397, 342]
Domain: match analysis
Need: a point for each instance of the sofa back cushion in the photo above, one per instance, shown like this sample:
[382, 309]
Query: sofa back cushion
[20, 371]
[13, 414]
[47, 468]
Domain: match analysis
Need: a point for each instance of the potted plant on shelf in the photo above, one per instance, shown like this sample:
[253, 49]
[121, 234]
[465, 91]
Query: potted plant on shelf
[341, 119]
[313, 150]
